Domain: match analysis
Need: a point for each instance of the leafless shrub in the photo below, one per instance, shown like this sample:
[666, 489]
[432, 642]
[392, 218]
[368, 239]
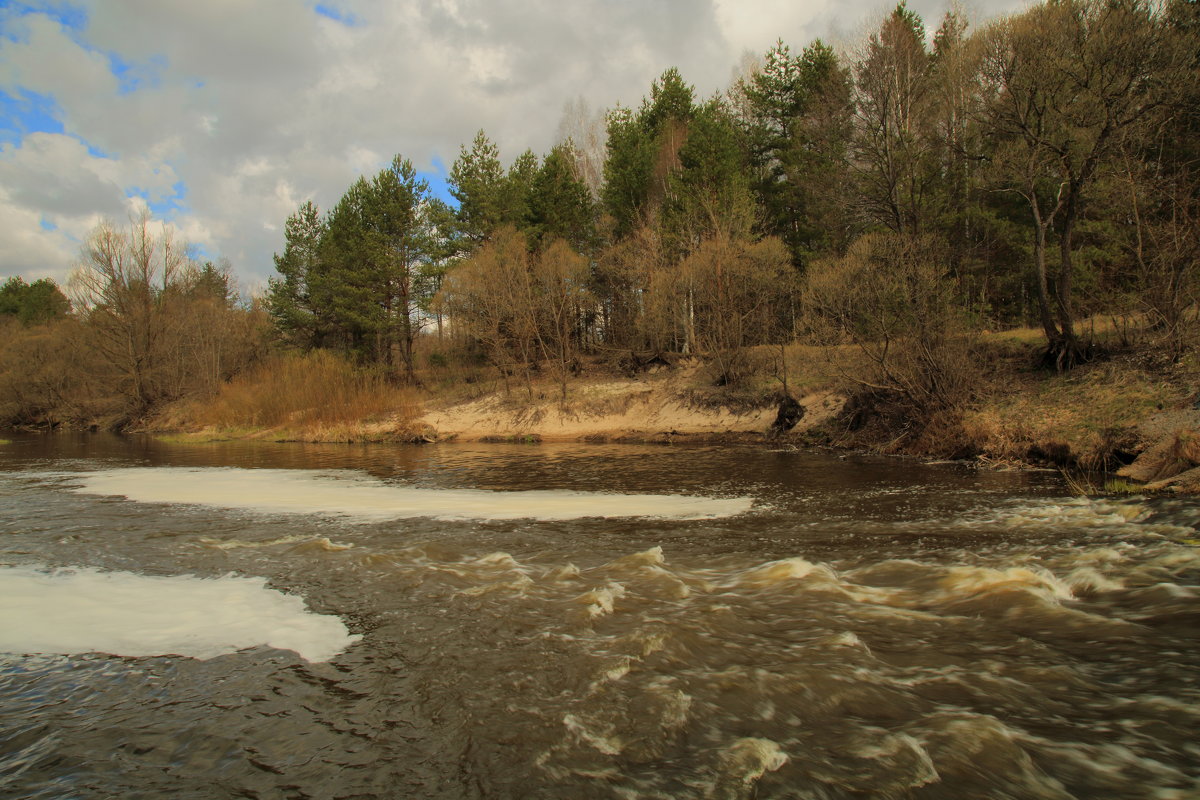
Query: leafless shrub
[891, 295]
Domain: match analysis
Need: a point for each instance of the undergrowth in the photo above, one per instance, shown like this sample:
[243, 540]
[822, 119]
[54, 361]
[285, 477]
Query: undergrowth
[302, 394]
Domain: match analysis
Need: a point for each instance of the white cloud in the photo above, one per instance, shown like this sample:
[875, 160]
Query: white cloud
[47, 61]
[26, 248]
[772, 20]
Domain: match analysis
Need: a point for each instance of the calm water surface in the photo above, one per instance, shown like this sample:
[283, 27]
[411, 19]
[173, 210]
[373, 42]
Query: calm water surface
[775, 624]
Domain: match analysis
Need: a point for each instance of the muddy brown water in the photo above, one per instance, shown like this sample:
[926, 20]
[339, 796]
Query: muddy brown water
[783, 624]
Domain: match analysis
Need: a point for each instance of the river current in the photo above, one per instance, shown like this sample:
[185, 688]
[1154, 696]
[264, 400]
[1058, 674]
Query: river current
[574, 621]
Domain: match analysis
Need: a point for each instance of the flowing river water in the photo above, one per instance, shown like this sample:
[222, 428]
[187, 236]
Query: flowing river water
[572, 621]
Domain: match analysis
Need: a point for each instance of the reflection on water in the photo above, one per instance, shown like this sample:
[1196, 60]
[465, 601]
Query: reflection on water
[866, 629]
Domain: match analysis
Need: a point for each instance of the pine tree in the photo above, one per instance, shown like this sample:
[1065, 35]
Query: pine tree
[377, 261]
[627, 171]
[398, 216]
[561, 205]
[477, 182]
[796, 129]
[289, 301]
[342, 287]
[516, 193]
[710, 193]
[643, 152]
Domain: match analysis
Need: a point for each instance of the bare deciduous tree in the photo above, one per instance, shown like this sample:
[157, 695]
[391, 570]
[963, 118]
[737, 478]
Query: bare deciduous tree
[742, 292]
[560, 277]
[889, 296]
[120, 286]
[587, 133]
[893, 101]
[157, 325]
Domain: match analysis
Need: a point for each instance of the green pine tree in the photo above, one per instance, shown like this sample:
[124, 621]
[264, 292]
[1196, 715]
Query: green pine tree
[289, 300]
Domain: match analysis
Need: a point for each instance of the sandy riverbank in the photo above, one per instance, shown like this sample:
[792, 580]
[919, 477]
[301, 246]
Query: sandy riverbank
[1095, 419]
[654, 408]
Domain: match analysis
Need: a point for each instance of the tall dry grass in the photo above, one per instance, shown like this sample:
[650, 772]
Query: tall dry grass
[309, 392]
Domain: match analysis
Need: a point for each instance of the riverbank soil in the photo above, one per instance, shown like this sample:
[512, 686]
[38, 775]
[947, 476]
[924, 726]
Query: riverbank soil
[1132, 411]
[1131, 408]
[669, 403]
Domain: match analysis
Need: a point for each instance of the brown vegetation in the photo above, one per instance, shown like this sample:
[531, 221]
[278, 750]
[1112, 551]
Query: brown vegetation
[888, 297]
[148, 327]
[318, 397]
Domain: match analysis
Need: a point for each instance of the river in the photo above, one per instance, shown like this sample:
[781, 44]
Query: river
[584, 621]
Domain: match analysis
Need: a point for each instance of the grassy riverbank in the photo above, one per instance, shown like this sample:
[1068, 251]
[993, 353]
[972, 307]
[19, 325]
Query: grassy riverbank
[1095, 418]
[313, 398]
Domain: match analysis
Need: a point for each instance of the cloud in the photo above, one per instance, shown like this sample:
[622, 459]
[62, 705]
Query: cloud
[57, 175]
[224, 116]
[26, 247]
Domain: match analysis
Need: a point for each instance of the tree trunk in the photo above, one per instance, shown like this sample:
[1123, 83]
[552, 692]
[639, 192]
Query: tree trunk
[1065, 350]
[1043, 282]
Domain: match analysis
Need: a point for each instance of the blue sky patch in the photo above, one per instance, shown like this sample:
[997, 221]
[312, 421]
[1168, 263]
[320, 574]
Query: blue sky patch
[47, 225]
[133, 76]
[93, 151]
[334, 13]
[28, 112]
[161, 204]
[439, 184]
[199, 252]
[71, 17]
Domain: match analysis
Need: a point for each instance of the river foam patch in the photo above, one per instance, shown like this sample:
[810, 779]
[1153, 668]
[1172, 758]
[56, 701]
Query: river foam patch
[361, 497]
[73, 611]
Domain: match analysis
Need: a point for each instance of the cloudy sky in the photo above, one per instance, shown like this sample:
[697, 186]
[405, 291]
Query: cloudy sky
[222, 116]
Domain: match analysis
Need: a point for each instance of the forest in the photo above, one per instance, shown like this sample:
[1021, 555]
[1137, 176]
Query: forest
[900, 198]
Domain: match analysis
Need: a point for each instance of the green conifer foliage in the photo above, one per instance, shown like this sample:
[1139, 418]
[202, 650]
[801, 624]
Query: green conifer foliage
[289, 299]
[477, 182]
[643, 152]
[560, 204]
[32, 303]
[710, 193]
[797, 127]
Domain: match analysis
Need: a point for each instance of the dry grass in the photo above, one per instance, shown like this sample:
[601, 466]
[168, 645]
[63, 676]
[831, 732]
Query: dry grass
[315, 397]
[1086, 419]
[1082, 417]
[1099, 327]
[1083, 484]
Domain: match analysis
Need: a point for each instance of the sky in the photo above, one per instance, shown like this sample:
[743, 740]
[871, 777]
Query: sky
[221, 117]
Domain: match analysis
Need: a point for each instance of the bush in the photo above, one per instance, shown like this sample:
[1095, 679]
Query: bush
[891, 296]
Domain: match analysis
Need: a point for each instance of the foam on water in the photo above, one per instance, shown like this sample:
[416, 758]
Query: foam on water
[750, 758]
[1129, 516]
[74, 611]
[977, 580]
[361, 497]
[601, 601]
[788, 569]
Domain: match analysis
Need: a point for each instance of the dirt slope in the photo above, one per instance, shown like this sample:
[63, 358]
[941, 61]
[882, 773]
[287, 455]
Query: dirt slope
[652, 408]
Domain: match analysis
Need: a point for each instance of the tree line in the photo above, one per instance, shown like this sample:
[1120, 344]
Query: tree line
[1036, 170]
[145, 324]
